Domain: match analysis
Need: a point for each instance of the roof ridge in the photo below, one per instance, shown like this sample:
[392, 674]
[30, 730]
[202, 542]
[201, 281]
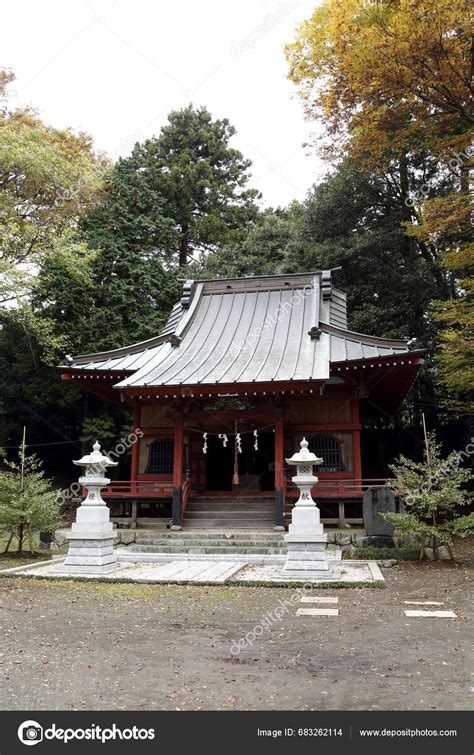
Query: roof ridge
[346, 333]
[260, 277]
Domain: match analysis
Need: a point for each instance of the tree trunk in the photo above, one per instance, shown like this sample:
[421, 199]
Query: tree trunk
[184, 245]
[422, 547]
[464, 178]
[20, 540]
[8, 543]
[435, 549]
[450, 551]
[415, 247]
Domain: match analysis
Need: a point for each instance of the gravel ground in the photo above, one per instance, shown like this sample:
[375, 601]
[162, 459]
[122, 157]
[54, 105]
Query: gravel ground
[80, 646]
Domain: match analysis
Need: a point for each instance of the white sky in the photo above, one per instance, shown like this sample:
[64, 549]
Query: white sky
[116, 68]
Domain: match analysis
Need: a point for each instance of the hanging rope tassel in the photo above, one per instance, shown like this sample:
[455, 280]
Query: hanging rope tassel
[237, 450]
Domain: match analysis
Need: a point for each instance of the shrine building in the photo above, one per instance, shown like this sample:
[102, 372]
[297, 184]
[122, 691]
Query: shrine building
[243, 369]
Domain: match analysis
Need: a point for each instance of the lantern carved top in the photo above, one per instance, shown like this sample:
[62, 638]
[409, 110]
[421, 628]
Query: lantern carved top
[95, 459]
[304, 456]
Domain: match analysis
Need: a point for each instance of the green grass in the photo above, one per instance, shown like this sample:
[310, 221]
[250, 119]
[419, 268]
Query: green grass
[11, 559]
[338, 584]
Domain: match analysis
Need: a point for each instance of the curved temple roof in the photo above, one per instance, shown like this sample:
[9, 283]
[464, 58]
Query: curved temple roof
[245, 330]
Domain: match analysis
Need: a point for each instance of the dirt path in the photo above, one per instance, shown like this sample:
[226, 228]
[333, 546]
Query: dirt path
[96, 646]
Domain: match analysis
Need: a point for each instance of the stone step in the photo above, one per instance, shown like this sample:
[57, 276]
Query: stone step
[246, 499]
[211, 542]
[213, 514]
[223, 535]
[228, 524]
[264, 550]
[237, 506]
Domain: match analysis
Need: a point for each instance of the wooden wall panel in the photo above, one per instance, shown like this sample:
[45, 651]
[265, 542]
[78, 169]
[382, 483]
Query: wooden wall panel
[329, 408]
[155, 415]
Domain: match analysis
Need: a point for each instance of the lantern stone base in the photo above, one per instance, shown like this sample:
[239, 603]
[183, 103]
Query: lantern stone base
[87, 555]
[306, 557]
[306, 541]
[91, 542]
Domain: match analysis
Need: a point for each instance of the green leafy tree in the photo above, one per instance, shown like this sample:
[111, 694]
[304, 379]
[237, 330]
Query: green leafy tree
[264, 249]
[177, 196]
[434, 497]
[28, 502]
[48, 177]
[202, 180]
[133, 285]
[110, 430]
[391, 81]
[353, 219]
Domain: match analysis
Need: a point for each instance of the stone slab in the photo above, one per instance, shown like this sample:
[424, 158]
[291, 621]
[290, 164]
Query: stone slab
[83, 560]
[422, 603]
[306, 565]
[305, 537]
[317, 599]
[376, 501]
[90, 532]
[91, 571]
[306, 556]
[306, 546]
[102, 551]
[317, 612]
[430, 614]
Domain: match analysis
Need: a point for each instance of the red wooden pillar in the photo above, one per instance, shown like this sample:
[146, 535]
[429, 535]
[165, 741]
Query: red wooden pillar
[177, 476]
[279, 472]
[356, 440]
[135, 447]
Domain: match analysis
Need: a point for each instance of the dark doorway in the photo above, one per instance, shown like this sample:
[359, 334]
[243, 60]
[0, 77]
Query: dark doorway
[256, 466]
[220, 463]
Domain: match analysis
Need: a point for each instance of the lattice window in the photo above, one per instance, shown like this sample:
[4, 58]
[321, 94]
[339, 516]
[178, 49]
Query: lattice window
[160, 457]
[328, 448]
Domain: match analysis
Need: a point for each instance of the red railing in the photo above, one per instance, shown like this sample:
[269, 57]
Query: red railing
[347, 487]
[139, 489]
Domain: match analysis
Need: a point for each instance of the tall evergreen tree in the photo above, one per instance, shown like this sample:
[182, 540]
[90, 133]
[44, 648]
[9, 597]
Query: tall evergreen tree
[178, 196]
[353, 219]
[265, 248]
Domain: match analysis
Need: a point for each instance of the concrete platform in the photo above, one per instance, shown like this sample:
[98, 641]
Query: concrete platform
[205, 571]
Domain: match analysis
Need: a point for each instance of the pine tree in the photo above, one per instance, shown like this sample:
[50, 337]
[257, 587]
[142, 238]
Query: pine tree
[178, 196]
[28, 502]
[433, 497]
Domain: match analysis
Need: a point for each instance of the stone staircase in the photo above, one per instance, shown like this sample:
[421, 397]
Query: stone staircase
[239, 513]
[255, 543]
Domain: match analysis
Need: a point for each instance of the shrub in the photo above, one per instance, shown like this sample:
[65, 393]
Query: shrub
[433, 497]
[28, 502]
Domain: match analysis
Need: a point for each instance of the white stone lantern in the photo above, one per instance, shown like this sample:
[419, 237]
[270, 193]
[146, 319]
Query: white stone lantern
[91, 540]
[306, 539]
[304, 460]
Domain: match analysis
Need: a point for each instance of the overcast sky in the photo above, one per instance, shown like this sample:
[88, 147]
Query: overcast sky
[116, 68]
